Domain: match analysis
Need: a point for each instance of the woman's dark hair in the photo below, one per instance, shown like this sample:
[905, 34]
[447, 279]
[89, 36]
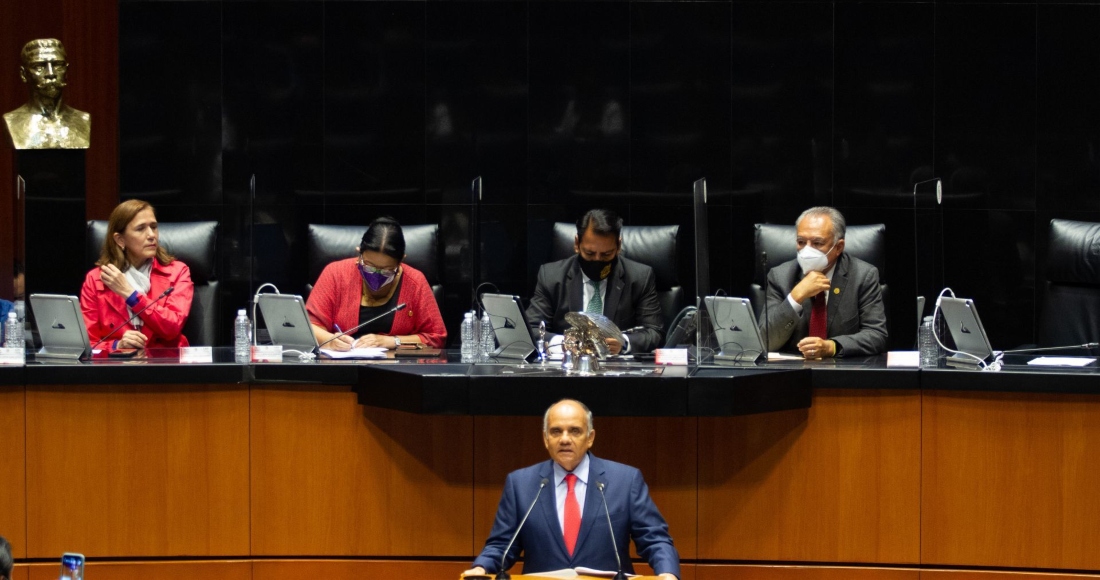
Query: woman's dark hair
[384, 235]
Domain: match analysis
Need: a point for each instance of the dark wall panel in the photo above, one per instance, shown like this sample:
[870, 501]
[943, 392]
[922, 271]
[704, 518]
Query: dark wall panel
[985, 105]
[374, 102]
[344, 111]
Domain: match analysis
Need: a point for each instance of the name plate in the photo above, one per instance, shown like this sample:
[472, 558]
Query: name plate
[13, 356]
[267, 353]
[197, 354]
[671, 356]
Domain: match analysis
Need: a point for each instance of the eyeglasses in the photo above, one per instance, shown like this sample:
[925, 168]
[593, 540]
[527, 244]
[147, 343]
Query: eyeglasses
[376, 270]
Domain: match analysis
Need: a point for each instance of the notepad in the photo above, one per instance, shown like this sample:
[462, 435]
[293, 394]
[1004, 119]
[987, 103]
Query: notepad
[363, 353]
[1060, 361]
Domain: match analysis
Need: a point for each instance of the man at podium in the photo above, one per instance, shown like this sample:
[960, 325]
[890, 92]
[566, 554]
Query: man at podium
[568, 525]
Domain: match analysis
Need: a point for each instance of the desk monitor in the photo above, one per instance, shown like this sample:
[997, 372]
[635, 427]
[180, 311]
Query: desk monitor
[60, 326]
[961, 318]
[287, 322]
[735, 327]
[509, 325]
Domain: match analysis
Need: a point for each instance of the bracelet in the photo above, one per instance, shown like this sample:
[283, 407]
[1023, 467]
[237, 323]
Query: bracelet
[132, 300]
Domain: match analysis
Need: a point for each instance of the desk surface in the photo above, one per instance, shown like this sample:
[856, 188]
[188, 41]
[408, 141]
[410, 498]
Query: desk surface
[435, 386]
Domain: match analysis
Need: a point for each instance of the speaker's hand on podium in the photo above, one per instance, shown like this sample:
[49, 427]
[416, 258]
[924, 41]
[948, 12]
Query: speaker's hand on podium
[475, 571]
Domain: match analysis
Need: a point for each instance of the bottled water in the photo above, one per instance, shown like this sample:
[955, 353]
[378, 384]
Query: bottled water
[242, 337]
[469, 344]
[926, 341]
[13, 332]
[487, 341]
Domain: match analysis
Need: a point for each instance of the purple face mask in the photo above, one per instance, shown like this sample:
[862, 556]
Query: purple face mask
[375, 280]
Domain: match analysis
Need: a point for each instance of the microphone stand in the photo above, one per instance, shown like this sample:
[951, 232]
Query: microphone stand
[621, 575]
[503, 573]
[1086, 346]
[166, 292]
[397, 308]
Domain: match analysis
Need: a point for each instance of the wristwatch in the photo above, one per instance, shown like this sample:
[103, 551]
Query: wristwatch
[397, 342]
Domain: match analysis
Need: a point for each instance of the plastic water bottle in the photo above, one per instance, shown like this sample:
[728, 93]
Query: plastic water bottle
[13, 332]
[487, 340]
[926, 341]
[242, 337]
[469, 345]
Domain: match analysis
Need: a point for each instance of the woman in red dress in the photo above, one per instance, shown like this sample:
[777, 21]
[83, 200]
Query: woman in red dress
[352, 291]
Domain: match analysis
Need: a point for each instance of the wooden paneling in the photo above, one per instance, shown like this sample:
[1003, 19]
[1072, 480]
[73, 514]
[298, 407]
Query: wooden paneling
[149, 470]
[355, 570]
[1011, 480]
[332, 477]
[226, 570]
[749, 572]
[13, 507]
[839, 482]
[991, 575]
[22, 572]
[664, 448]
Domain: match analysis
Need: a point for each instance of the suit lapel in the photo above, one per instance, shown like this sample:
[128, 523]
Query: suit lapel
[575, 286]
[615, 285]
[593, 507]
[839, 282]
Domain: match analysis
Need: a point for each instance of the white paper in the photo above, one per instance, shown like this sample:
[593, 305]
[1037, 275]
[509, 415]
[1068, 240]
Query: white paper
[196, 354]
[13, 356]
[772, 356]
[267, 353]
[371, 352]
[1060, 361]
[671, 356]
[903, 358]
[574, 572]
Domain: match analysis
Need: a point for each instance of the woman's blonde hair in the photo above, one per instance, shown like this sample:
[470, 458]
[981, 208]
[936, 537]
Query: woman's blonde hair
[120, 218]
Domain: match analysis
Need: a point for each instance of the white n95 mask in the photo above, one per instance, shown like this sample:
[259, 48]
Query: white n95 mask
[812, 259]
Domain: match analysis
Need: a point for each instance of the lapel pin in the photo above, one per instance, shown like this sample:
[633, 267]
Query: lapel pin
[836, 291]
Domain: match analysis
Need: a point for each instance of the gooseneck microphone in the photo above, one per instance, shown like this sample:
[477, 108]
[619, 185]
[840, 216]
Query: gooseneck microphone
[361, 325]
[767, 321]
[164, 294]
[503, 573]
[621, 575]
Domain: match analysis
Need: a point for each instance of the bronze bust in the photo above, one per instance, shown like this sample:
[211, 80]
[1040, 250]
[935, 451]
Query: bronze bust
[46, 122]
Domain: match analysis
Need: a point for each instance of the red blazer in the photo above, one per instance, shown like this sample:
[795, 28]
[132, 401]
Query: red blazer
[336, 297]
[104, 310]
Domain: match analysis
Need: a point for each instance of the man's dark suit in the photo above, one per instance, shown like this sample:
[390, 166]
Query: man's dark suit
[630, 300]
[857, 317]
[633, 515]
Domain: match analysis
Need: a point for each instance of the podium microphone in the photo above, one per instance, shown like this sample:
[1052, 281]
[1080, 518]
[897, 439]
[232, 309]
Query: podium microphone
[503, 573]
[620, 576]
[166, 292]
[361, 325]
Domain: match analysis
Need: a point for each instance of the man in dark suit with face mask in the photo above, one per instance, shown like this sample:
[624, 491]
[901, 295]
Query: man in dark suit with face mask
[598, 280]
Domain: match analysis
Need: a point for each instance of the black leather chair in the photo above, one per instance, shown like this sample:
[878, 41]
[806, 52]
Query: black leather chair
[328, 243]
[654, 246]
[866, 242]
[1070, 312]
[193, 243]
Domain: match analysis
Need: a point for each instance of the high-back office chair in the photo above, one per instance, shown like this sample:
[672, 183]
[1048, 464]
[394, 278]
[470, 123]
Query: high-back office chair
[654, 246]
[328, 243]
[1070, 312]
[193, 243]
[866, 242]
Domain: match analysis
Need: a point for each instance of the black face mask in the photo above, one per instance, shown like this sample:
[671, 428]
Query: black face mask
[596, 269]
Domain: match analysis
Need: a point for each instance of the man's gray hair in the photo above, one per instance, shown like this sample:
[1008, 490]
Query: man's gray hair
[587, 414]
[839, 225]
[6, 562]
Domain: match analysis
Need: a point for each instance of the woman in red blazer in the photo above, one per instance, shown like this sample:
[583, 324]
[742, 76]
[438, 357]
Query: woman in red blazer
[133, 271]
[352, 291]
